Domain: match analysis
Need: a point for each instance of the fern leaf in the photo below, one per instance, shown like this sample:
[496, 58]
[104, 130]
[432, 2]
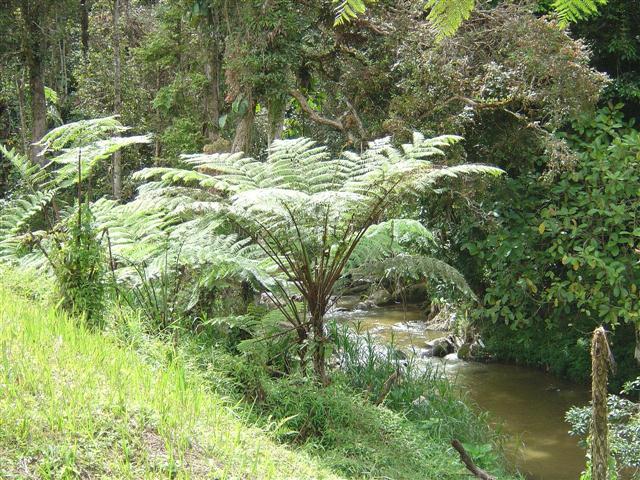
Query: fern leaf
[347, 10]
[446, 16]
[570, 11]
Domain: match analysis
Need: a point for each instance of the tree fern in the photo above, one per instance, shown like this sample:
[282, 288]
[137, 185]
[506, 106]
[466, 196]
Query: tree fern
[308, 212]
[90, 141]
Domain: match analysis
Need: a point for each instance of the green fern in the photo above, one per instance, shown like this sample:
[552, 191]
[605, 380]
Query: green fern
[446, 16]
[347, 10]
[29, 175]
[570, 11]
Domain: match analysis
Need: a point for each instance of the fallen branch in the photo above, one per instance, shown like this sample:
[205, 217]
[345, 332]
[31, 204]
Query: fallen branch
[468, 462]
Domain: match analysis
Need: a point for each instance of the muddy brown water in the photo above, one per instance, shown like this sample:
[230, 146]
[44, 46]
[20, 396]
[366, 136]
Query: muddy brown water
[526, 404]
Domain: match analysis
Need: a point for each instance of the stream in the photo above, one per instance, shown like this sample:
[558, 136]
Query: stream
[526, 404]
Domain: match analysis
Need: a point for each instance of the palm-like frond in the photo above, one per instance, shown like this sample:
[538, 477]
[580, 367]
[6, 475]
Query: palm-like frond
[570, 11]
[15, 218]
[347, 10]
[415, 268]
[90, 155]
[81, 133]
[29, 173]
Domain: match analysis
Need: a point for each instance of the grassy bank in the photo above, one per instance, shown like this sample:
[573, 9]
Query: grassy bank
[74, 404]
[130, 403]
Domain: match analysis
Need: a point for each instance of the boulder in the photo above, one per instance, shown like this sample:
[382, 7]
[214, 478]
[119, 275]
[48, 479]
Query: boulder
[464, 352]
[441, 346]
[471, 350]
[427, 352]
[452, 357]
[381, 298]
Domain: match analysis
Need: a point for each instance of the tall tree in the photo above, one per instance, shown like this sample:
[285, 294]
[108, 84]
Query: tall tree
[33, 16]
[117, 96]
[84, 27]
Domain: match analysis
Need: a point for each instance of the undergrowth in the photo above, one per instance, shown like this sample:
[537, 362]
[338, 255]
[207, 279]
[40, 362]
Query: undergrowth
[133, 402]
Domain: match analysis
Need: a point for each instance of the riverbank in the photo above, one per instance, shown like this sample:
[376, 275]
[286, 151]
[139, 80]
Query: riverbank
[526, 404]
[129, 404]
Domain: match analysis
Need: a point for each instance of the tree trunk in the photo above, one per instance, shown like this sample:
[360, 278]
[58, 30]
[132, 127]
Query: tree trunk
[34, 52]
[117, 104]
[21, 112]
[212, 71]
[600, 362]
[319, 347]
[84, 28]
[276, 121]
[637, 350]
[242, 138]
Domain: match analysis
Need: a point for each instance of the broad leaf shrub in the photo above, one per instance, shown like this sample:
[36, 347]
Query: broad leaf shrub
[564, 258]
[624, 425]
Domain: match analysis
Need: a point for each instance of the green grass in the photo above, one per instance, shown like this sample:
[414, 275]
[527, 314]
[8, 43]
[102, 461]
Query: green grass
[75, 404]
[129, 403]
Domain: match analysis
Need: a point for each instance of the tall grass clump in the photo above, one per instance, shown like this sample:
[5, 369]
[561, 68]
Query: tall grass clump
[404, 384]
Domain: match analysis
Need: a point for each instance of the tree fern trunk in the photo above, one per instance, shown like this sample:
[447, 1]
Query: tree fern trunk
[319, 345]
[600, 356]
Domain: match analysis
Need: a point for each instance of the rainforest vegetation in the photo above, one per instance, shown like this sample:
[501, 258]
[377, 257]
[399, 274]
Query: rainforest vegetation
[200, 200]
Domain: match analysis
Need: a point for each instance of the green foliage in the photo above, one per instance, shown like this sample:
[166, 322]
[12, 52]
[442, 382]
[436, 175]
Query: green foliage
[447, 16]
[624, 429]
[612, 36]
[79, 263]
[562, 258]
[570, 248]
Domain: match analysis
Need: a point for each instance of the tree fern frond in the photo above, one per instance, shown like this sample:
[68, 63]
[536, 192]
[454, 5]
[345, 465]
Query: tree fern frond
[172, 176]
[446, 16]
[19, 211]
[347, 10]
[90, 155]
[416, 268]
[80, 133]
[570, 11]
[29, 173]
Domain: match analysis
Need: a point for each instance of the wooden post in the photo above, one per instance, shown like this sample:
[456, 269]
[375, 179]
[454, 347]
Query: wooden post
[601, 360]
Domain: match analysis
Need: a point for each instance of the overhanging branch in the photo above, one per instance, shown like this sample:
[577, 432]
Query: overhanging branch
[313, 115]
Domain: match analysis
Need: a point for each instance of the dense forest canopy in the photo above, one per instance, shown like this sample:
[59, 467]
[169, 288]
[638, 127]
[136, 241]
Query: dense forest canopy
[229, 169]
